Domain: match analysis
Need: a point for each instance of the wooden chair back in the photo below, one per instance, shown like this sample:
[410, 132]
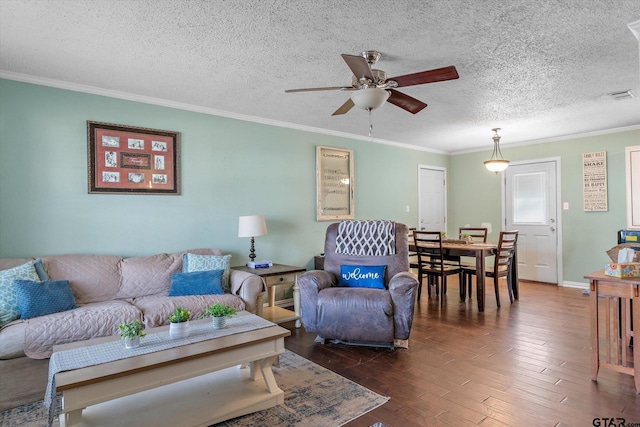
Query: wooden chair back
[429, 249]
[506, 249]
[477, 234]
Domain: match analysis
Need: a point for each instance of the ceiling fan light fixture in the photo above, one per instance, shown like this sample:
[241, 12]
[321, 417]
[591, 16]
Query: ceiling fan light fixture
[370, 98]
[496, 164]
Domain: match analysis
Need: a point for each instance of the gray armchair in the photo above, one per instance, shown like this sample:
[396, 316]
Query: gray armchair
[363, 316]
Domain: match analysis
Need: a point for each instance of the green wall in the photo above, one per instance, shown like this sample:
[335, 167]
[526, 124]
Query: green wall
[586, 236]
[231, 167]
[228, 168]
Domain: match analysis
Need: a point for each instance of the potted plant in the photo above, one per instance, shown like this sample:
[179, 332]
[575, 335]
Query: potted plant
[219, 313]
[179, 323]
[131, 333]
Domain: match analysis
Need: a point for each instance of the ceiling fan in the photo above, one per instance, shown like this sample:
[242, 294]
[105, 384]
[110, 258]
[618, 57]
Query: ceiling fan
[372, 87]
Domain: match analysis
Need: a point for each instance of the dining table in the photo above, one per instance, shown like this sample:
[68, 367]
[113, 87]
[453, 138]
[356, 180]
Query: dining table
[479, 251]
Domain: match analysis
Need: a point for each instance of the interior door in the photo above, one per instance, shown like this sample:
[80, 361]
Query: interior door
[531, 208]
[432, 198]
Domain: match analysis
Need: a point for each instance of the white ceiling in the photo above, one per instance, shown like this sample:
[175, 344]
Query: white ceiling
[538, 69]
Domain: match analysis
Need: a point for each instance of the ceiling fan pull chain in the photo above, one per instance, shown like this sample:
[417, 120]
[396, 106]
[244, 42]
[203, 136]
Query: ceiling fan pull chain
[370, 122]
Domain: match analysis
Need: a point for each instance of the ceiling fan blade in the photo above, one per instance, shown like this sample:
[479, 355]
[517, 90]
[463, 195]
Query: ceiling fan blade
[359, 66]
[313, 89]
[430, 76]
[344, 108]
[405, 102]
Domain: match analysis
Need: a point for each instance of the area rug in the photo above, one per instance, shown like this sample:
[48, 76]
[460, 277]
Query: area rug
[314, 396]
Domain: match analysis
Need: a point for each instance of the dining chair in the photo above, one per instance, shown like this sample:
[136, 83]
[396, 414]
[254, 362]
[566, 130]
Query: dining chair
[502, 263]
[413, 256]
[431, 262]
[477, 235]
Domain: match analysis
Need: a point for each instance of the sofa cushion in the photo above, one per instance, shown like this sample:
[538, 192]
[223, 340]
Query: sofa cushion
[151, 275]
[148, 275]
[93, 278]
[157, 308]
[88, 321]
[8, 298]
[362, 276]
[195, 262]
[196, 283]
[42, 298]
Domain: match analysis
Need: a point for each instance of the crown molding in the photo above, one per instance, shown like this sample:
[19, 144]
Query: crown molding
[75, 87]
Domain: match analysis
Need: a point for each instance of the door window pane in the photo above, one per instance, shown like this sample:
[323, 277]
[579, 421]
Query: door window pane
[530, 198]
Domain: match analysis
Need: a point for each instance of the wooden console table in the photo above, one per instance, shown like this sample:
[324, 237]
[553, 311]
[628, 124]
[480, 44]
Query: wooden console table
[277, 275]
[619, 324]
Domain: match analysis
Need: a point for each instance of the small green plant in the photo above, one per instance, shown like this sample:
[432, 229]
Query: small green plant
[443, 234]
[219, 310]
[132, 329]
[179, 315]
[465, 235]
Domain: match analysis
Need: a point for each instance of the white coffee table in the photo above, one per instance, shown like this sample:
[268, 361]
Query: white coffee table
[196, 384]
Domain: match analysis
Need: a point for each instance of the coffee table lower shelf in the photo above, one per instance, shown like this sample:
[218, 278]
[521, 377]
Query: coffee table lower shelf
[199, 401]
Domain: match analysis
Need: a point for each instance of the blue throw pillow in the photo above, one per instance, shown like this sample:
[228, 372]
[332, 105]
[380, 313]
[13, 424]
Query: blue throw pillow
[37, 264]
[362, 276]
[8, 299]
[196, 283]
[41, 298]
[195, 262]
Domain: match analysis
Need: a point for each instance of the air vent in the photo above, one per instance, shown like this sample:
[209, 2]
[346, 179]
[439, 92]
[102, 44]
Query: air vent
[625, 94]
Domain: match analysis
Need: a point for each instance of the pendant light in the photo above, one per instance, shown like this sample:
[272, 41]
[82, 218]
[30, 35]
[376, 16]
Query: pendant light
[496, 164]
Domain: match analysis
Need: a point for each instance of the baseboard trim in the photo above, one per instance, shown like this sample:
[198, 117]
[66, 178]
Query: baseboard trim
[579, 285]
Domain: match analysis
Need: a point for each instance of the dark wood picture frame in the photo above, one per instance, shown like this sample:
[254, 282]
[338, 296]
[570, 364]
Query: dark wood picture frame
[132, 160]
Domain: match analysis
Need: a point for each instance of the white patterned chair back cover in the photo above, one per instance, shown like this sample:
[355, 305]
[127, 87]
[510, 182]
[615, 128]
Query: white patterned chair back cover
[366, 238]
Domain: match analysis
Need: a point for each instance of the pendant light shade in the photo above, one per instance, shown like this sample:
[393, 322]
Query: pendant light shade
[497, 163]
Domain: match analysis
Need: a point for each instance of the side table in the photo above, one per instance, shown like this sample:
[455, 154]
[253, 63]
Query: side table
[619, 324]
[276, 275]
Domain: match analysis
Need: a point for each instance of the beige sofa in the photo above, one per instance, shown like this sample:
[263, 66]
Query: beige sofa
[110, 290]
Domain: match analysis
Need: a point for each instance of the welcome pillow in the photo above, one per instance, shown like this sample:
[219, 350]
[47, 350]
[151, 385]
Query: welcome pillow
[8, 299]
[358, 276]
[195, 262]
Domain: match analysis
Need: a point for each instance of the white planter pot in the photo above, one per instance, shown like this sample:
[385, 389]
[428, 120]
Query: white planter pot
[179, 330]
[219, 322]
[132, 342]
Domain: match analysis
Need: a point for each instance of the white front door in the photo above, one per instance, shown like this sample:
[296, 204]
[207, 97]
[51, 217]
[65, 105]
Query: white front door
[531, 207]
[432, 198]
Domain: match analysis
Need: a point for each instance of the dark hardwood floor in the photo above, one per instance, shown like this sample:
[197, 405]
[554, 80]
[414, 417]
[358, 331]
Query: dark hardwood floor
[525, 364]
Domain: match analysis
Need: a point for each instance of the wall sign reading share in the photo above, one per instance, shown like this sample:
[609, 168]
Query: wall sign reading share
[594, 180]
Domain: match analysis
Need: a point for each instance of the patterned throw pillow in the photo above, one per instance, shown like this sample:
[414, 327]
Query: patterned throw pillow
[8, 299]
[194, 262]
[357, 276]
[42, 298]
[196, 283]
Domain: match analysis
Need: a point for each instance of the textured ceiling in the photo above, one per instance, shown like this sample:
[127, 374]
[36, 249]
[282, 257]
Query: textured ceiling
[537, 69]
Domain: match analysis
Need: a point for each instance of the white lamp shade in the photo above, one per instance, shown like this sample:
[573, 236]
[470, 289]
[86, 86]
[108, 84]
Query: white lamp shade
[370, 98]
[252, 226]
[496, 165]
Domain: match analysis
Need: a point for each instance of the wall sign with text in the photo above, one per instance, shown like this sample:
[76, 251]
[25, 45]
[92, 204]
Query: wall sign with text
[594, 181]
[334, 183]
[127, 159]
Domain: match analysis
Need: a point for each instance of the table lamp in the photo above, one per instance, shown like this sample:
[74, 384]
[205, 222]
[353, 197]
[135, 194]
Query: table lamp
[252, 226]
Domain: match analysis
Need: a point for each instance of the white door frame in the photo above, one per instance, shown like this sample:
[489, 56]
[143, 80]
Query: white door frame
[436, 168]
[503, 181]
